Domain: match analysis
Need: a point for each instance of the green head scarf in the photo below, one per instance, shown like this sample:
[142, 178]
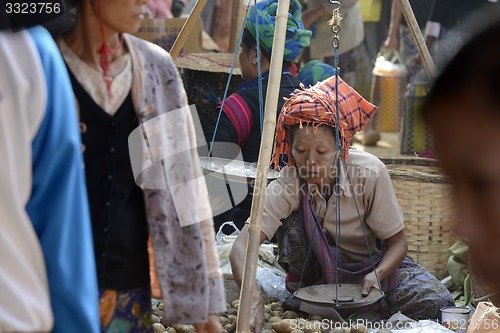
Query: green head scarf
[264, 14]
[315, 71]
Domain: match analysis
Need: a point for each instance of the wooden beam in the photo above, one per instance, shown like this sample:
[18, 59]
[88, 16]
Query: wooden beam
[237, 15]
[266, 146]
[192, 19]
[418, 39]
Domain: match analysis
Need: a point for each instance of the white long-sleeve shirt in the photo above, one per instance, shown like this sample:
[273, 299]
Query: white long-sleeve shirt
[47, 269]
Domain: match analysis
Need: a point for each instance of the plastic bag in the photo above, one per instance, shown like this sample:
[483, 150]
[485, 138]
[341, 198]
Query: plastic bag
[224, 244]
[272, 283]
[220, 234]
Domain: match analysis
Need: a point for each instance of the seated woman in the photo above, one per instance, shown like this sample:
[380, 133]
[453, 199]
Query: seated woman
[300, 207]
[240, 123]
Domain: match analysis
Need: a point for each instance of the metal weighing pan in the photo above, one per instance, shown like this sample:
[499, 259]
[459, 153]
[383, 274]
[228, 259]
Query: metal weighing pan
[349, 295]
[232, 170]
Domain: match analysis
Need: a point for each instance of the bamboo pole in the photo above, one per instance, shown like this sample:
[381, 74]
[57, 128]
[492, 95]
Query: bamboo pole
[418, 39]
[192, 19]
[254, 230]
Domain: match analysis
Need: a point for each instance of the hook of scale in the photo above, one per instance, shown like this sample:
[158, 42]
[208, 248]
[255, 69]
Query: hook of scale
[334, 23]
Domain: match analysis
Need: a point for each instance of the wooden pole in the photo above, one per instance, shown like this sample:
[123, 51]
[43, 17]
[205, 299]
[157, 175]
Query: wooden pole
[192, 19]
[221, 27]
[254, 230]
[236, 24]
[418, 39]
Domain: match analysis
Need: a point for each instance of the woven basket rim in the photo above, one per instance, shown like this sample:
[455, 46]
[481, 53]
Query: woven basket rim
[410, 160]
[209, 62]
[412, 174]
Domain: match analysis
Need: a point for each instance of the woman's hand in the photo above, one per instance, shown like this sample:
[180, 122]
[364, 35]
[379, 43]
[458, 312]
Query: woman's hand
[369, 282]
[396, 252]
[212, 325]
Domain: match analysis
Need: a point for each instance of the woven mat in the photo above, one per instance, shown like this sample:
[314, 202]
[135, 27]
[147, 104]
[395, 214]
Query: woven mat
[209, 62]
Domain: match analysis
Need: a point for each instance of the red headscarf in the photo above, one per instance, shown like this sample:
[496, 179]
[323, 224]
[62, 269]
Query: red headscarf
[316, 106]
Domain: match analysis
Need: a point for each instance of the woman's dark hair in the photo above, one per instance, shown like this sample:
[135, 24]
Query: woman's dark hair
[476, 66]
[62, 24]
[249, 43]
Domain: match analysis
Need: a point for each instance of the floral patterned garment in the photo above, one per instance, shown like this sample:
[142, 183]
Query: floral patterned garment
[125, 311]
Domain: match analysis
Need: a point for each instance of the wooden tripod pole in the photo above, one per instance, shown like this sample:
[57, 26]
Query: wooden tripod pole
[236, 25]
[266, 145]
[418, 39]
[193, 18]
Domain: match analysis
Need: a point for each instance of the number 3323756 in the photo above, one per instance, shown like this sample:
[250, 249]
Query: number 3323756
[32, 8]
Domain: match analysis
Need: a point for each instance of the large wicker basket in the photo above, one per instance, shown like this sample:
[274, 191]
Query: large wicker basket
[423, 193]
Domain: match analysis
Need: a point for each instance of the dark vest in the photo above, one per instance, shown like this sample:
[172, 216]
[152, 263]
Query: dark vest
[116, 203]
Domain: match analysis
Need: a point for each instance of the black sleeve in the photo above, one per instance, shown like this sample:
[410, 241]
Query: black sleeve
[226, 139]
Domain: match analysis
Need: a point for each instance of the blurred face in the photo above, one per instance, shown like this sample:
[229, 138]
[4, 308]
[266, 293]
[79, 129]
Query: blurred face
[247, 57]
[467, 138]
[314, 154]
[121, 16]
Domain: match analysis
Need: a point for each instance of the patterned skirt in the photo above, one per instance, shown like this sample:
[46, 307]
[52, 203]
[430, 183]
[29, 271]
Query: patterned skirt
[125, 311]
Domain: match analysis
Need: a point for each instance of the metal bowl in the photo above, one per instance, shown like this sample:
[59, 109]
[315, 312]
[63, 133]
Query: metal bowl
[233, 170]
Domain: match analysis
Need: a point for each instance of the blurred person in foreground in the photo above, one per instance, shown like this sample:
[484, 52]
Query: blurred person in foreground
[125, 85]
[47, 269]
[463, 112]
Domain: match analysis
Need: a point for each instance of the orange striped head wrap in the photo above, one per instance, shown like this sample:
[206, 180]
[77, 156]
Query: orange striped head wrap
[315, 106]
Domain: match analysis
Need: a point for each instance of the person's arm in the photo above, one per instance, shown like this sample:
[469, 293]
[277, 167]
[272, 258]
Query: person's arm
[432, 32]
[386, 220]
[392, 40]
[396, 252]
[58, 204]
[226, 139]
[280, 203]
[233, 129]
[282, 198]
[312, 14]
[238, 253]
[433, 25]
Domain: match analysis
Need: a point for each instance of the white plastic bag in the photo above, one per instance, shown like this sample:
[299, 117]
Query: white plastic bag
[220, 234]
[224, 244]
[272, 282]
